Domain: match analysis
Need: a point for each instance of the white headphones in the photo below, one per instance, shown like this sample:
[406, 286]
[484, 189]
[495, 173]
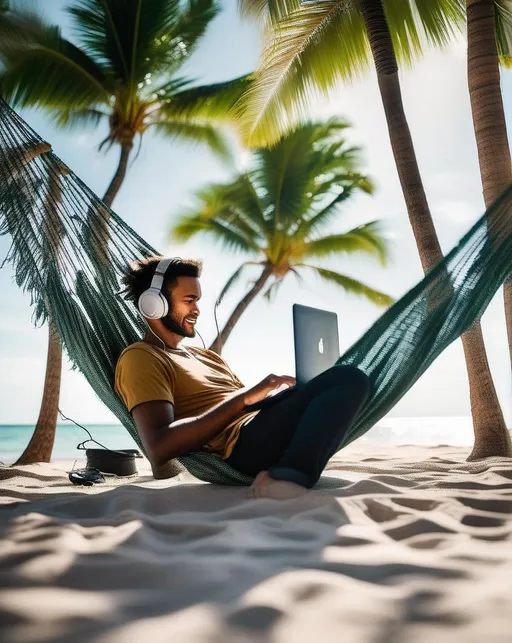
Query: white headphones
[153, 303]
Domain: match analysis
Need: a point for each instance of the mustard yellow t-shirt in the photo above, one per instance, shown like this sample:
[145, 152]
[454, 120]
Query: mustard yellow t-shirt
[193, 380]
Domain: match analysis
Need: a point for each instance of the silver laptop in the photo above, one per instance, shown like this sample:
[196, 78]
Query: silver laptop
[316, 342]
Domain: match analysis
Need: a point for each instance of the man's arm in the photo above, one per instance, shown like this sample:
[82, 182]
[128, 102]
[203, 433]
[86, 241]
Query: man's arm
[165, 438]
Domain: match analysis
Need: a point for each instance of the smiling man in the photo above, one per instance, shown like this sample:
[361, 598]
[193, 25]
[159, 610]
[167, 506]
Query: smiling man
[183, 399]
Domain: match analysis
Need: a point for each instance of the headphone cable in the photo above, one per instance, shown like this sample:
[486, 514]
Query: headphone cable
[217, 303]
[202, 340]
[91, 439]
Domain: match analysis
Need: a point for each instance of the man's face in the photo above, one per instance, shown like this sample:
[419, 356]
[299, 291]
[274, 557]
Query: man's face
[183, 310]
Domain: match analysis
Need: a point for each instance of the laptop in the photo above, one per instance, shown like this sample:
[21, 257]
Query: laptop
[316, 343]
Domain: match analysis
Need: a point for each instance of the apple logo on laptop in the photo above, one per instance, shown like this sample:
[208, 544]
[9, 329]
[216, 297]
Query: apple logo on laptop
[321, 346]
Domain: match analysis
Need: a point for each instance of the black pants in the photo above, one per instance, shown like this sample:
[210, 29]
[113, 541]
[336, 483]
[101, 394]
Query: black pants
[294, 438]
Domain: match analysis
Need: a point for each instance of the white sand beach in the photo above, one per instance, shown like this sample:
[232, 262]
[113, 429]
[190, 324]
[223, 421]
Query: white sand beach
[414, 546]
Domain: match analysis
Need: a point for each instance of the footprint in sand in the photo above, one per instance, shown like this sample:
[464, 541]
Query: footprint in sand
[481, 520]
[380, 511]
[416, 527]
[421, 504]
[427, 541]
[492, 505]
[504, 473]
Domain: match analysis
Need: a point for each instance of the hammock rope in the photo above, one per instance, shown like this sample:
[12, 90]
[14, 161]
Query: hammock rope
[69, 251]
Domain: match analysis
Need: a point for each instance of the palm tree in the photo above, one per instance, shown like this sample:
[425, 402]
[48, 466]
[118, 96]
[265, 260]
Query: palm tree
[276, 211]
[489, 38]
[40, 447]
[24, 194]
[316, 46]
[125, 70]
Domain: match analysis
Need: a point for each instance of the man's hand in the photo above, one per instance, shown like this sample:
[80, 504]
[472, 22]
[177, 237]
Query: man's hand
[261, 390]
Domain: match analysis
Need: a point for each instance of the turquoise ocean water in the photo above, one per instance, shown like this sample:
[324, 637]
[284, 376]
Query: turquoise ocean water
[389, 431]
[14, 439]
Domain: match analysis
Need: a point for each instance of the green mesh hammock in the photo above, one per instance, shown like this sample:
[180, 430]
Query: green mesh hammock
[69, 250]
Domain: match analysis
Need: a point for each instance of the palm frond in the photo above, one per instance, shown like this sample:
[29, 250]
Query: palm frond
[203, 101]
[503, 27]
[318, 218]
[163, 93]
[138, 40]
[352, 286]
[305, 168]
[247, 206]
[78, 118]
[267, 9]
[415, 22]
[439, 21]
[341, 184]
[193, 22]
[297, 64]
[286, 170]
[41, 68]
[197, 133]
[309, 50]
[232, 239]
[231, 205]
[367, 239]
[106, 35]
[254, 214]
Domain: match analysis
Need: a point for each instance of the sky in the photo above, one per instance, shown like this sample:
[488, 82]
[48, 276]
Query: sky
[160, 184]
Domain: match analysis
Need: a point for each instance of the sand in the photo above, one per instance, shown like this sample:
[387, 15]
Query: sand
[414, 546]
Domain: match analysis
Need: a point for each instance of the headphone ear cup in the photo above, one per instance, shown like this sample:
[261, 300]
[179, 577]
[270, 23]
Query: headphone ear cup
[152, 304]
[165, 305]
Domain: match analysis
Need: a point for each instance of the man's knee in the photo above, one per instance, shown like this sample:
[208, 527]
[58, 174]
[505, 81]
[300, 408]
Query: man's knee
[355, 379]
[346, 376]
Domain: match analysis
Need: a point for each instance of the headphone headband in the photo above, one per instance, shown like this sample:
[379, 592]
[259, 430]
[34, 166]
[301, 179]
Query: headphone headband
[158, 278]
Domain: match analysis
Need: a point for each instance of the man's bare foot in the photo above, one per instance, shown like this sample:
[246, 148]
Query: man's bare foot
[266, 487]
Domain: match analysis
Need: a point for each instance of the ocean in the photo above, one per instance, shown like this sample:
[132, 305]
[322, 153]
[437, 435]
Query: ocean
[14, 439]
[390, 431]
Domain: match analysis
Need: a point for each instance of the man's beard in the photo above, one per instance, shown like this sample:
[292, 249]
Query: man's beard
[172, 323]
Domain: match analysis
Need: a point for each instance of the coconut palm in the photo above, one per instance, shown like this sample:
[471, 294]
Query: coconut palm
[125, 70]
[317, 45]
[278, 211]
[23, 194]
[40, 447]
[489, 39]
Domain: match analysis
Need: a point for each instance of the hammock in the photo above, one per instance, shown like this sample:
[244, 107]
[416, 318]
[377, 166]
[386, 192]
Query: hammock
[69, 250]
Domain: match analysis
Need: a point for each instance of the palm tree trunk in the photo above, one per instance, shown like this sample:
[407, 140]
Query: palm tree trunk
[491, 436]
[488, 115]
[221, 339]
[119, 176]
[97, 230]
[40, 446]
[489, 425]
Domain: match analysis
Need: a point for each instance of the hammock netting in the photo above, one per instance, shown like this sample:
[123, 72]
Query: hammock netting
[69, 251]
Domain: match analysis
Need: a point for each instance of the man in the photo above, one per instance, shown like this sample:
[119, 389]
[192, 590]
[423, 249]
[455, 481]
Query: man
[183, 399]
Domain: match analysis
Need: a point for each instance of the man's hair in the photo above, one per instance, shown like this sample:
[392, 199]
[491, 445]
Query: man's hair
[138, 276]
